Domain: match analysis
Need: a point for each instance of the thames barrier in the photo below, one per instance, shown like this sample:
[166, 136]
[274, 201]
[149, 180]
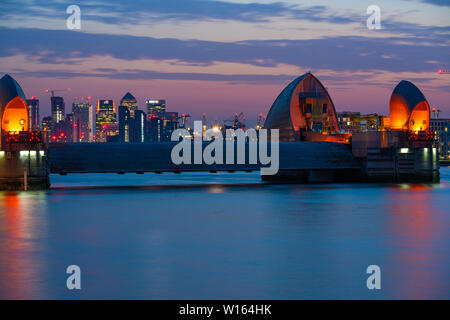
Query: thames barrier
[312, 147]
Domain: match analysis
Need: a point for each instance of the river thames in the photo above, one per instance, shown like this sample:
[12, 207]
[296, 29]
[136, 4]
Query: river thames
[224, 236]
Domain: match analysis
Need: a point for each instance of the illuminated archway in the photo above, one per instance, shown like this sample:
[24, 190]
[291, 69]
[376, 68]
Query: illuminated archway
[420, 117]
[15, 116]
[303, 106]
[408, 108]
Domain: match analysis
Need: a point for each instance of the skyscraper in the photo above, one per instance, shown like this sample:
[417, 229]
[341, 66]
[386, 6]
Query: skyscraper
[58, 109]
[47, 128]
[125, 124]
[170, 125]
[81, 121]
[127, 109]
[69, 128]
[33, 110]
[106, 126]
[441, 127]
[155, 127]
[140, 126]
[156, 108]
[130, 102]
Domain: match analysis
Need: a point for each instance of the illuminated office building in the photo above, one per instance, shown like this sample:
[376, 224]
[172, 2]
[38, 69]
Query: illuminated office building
[106, 127]
[156, 108]
[130, 102]
[441, 127]
[127, 113]
[140, 126]
[58, 109]
[33, 110]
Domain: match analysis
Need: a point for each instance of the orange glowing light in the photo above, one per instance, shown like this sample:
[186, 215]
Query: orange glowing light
[409, 110]
[402, 119]
[420, 117]
[15, 116]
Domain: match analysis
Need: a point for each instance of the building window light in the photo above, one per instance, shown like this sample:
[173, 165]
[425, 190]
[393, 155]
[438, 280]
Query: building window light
[404, 150]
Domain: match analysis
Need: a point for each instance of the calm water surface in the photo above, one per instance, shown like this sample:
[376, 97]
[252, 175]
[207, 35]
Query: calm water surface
[223, 236]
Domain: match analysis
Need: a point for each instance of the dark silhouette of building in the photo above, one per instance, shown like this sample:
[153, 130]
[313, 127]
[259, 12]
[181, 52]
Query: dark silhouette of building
[125, 124]
[81, 121]
[170, 125]
[69, 128]
[47, 124]
[155, 127]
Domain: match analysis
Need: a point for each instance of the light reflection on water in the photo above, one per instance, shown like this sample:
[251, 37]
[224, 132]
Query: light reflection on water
[200, 236]
[22, 227]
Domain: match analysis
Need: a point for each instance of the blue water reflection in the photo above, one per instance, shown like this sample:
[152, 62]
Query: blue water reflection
[204, 236]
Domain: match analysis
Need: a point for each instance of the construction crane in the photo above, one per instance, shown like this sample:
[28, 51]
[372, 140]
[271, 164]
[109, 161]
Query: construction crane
[184, 120]
[203, 124]
[236, 119]
[258, 126]
[88, 98]
[52, 91]
[436, 113]
[236, 122]
[216, 127]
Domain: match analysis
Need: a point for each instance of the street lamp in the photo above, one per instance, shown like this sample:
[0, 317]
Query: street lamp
[22, 123]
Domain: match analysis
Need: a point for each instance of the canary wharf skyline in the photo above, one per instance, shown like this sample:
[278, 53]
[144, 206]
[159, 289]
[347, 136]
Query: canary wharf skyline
[222, 57]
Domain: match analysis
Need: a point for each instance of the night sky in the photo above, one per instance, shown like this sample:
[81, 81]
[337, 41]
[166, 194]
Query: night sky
[222, 57]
